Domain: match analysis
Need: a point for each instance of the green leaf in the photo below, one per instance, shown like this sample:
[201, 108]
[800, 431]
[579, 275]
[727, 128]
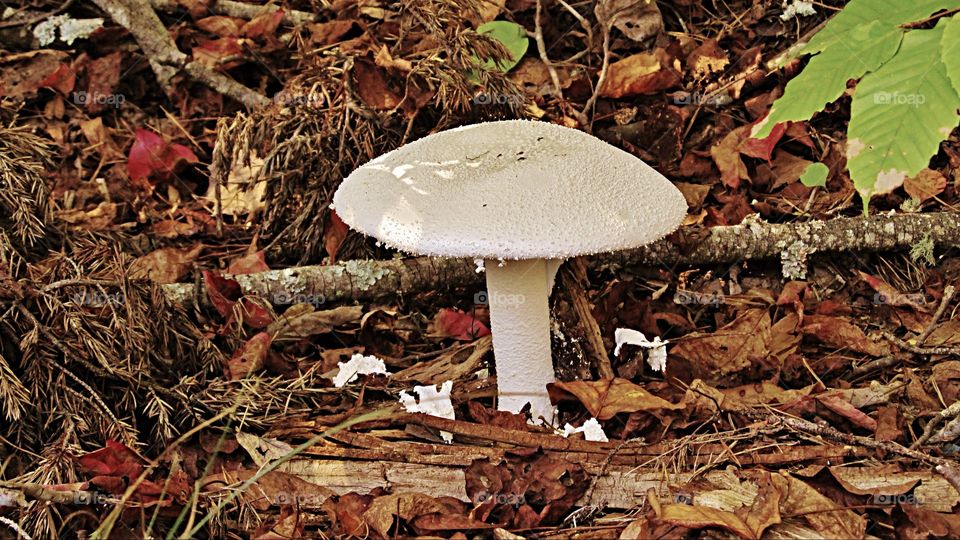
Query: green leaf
[856, 41]
[514, 39]
[815, 175]
[950, 50]
[888, 13]
[826, 75]
[899, 115]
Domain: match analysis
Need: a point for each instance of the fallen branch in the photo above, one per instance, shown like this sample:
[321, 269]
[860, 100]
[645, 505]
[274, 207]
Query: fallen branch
[139, 18]
[365, 280]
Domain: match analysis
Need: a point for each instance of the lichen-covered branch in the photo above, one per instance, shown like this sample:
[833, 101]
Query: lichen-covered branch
[364, 280]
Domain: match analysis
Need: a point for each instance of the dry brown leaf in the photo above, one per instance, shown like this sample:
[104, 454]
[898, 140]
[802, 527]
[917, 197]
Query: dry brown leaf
[726, 155]
[303, 320]
[100, 217]
[165, 265]
[609, 397]
[406, 506]
[707, 59]
[637, 19]
[695, 194]
[638, 74]
[826, 517]
[453, 365]
[927, 184]
[735, 347]
[841, 334]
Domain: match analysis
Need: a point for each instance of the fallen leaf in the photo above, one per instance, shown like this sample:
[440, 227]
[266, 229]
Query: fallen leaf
[165, 265]
[458, 325]
[251, 263]
[371, 85]
[250, 357]
[926, 185]
[737, 346]
[334, 233]
[841, 334]
[836, 403]
[24, 73]
[153, 157]
[406, 506]
[264, 25]
[726, 155]
[763, 148]
[707, 59]
[274, 488]
[303, 320]
[220, 25]
[97, 219]
[637, 19]
[103, 76]
[638, 74]
[606, 398]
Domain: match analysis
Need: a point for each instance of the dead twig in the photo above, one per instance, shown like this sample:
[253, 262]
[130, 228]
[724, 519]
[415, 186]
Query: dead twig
[139, 18]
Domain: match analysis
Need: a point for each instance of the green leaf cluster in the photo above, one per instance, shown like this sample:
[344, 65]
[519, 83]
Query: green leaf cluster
[908, 95]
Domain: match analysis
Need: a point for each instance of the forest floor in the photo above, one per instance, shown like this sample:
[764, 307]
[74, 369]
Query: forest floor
[158, 163]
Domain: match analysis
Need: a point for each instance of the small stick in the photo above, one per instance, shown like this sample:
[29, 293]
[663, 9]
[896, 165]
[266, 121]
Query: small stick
[948, 292]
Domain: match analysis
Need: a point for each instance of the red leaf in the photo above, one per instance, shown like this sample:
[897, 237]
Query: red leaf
[726, 154]
[223, 292]
[255, 315]
[334, 234]
[763, 148]
[459, 325]
[152, 156]
[114, 459]
[250, 357]
[263, 25]
[213, 52]
[252, 263]
[63, 79]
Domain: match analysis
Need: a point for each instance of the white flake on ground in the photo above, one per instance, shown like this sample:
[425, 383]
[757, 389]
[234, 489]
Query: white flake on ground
[591, 429]
[656, 358]
[356, 366]
[432, 402]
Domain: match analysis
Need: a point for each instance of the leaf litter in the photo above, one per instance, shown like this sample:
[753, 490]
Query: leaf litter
[794, 408]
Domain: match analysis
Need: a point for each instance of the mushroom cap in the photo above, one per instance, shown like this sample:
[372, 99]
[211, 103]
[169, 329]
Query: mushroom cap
[513, 189]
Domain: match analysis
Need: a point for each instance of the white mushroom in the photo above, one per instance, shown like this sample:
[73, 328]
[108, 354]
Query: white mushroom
[524, 196]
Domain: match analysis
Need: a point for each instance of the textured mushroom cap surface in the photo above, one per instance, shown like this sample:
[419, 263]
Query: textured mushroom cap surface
[512, 189]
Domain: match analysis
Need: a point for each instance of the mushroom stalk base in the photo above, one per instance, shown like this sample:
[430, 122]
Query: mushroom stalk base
[518, 293]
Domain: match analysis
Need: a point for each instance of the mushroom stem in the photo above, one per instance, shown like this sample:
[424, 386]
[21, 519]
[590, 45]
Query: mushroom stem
[518, 294]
